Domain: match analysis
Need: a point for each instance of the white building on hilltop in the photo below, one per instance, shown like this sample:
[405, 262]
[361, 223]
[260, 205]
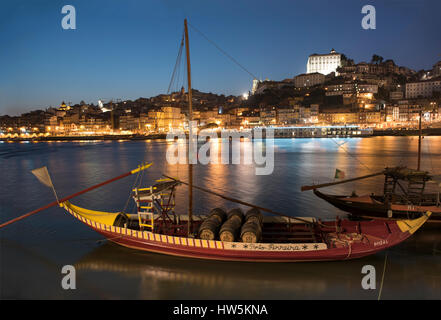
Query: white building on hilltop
[324, 63]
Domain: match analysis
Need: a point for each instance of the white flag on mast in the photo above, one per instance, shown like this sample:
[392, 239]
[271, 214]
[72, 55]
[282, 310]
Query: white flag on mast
[43, 176]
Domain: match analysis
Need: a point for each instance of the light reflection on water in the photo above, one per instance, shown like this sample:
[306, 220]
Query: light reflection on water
[33, 250]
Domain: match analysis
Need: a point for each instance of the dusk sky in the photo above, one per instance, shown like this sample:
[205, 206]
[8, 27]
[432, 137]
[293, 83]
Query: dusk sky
[127, 49]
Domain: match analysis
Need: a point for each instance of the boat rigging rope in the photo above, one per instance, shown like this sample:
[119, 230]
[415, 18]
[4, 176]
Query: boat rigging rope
[130, 194]
[223, 51]
[351, 155]
[248, 204]
[176, 69]
[136, 184]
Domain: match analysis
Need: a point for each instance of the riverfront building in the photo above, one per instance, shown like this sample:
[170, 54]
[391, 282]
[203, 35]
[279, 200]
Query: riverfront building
[309, 80]
[422, 89]
[321, 132]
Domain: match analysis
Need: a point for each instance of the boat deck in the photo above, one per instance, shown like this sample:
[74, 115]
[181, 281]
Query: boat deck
[280, 230]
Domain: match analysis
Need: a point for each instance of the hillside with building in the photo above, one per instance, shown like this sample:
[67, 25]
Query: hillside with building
[334, 90]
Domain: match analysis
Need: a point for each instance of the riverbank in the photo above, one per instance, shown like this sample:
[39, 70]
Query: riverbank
[87, 138]
[407, 132]
[386, 132]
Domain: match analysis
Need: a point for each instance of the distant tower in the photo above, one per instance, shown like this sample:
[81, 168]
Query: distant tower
[255, 85]
[63, 106]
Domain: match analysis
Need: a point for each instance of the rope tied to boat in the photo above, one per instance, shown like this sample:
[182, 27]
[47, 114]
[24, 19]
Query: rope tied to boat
[382, 277]
[349, 251]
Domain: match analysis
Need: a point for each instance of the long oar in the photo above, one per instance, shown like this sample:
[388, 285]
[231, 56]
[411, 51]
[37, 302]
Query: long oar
[140, 168]
[316, 186]
[241, 202]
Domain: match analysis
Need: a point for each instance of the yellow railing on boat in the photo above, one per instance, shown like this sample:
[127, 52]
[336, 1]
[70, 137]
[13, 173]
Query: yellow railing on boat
[144, 189]
[107, 218]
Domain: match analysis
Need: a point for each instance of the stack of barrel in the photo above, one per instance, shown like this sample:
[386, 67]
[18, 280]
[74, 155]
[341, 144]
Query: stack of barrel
[232, 226]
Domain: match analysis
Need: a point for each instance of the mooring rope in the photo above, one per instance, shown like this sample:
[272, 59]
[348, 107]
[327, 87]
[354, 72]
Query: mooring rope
[382, 278]
[430, 156]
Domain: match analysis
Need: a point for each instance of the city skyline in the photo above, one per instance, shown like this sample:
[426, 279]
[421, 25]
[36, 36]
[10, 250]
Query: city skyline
[128, 50]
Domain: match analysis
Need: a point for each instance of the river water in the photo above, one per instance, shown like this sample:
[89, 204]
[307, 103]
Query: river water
[33, 251]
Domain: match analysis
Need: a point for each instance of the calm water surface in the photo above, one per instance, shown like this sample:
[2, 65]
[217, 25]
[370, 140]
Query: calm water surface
[33, 251]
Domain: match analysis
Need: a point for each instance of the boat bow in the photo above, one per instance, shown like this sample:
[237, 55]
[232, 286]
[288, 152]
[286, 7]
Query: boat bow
[106, 218]
[412, 226]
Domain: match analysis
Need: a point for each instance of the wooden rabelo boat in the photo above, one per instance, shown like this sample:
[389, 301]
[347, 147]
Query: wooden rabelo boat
[404, 194]
[216, 235]
[403, 197]
[283, 239]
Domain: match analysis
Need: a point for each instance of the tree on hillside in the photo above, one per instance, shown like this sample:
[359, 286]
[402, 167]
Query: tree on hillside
[346, 61]
[377, 59]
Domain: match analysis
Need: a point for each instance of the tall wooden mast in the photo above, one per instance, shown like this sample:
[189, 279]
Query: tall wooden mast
[190, 119]
[419, 141]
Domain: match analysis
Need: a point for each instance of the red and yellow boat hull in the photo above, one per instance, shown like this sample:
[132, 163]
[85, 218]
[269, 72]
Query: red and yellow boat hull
[377, 236]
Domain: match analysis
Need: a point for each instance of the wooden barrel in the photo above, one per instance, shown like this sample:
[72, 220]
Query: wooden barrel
[210, 226]
[254, 214]
[230, 229]
[236, 214]
[218, 213]
[251, 230]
